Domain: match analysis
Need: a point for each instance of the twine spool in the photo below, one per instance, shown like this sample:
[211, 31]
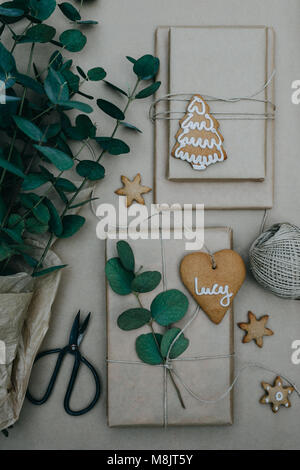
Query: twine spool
[275, 260]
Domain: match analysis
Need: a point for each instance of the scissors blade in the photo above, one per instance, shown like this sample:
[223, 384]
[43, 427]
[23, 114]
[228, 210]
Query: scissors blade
[75, 330]
[82, 328]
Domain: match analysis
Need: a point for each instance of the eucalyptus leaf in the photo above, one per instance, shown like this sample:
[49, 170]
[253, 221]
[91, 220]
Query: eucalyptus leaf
[11, 168]
[29, 82]
[16, 221]
[96, 74]
[118, 278]
[42, 9]
[34, 226]
[33, 181]
[147, 348]
[73, 40]
[146, 67]
[115, 88]
[61, 160]
[29, 129]
[130, 126]
[39, 33]
[72, 79]
[81, 72]
[150, 90]
[82, 203]
[5, 251]
[55, 223]
[91, 170]
[12, 12]
[2, 209]
[146, 281]
[7, 61]
[113, 146]
[69, 11]
[71, 225]
[33, 202]
[178, 347]
[85, 126]
[169, 307]
[86, 108]
[43, 272]
[126, 255]
[111, 109]
[87, 22]
[131, 59]
[134, 318]
[65, 185]
[56, 87]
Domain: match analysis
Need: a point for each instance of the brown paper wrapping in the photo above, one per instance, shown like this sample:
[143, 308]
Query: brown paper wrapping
[135, 391]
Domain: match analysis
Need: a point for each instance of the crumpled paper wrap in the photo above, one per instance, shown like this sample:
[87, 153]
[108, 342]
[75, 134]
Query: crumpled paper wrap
[25, 309]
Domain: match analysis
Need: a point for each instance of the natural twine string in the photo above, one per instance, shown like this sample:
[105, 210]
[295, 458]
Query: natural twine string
[167, 115]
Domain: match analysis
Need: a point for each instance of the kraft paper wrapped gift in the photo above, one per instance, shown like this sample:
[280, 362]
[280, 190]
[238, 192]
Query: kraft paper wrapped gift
[136, 390]
[192, 61]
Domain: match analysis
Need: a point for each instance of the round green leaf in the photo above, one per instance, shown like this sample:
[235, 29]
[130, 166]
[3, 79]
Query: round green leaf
[85, 108]
[85, 126]
[178, 347]
[69, 11]
[111, 109]
[113, 146]
[118, 278]
[150, 90]
[61, 160]
[30, 129]
[126, 255]
[42, 9]
[65, 185]
[90, 170]
[134, 318]
[39, 33]
[71, 224]
[146, 282]
[147, 349]
[146, 67]
[169, 307]
[96, 74]
[7, 61]
[73, 40]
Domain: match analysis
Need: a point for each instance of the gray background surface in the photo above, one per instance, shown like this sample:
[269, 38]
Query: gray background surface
[127, 28]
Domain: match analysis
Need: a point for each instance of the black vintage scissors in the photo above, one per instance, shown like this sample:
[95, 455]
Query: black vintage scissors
[76, 336]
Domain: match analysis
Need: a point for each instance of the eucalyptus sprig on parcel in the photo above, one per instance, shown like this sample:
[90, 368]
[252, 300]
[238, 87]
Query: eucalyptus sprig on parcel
[36, 129]
[167, 308]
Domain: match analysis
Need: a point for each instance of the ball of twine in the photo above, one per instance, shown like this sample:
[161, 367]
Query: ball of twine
[275, 260]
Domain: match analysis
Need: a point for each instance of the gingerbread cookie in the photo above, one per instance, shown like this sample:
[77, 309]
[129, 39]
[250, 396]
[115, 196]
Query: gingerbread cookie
[198, 140]
[213, 287]
[255, 329]
[277, 395]
[133, 190]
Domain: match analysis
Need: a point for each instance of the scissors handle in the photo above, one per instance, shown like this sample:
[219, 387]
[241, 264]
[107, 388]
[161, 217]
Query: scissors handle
[61, 353]
[78, 360]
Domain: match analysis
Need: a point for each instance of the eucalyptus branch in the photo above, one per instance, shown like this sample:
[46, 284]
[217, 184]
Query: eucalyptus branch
[131, 97]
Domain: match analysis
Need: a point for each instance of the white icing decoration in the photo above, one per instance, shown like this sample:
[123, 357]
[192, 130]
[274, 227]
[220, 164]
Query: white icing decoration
[215, 290]
[199, 162]
[286, 405]
[279, 396]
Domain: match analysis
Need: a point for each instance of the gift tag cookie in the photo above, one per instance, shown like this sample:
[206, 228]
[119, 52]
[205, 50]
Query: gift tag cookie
[198, 141]
[213, 287]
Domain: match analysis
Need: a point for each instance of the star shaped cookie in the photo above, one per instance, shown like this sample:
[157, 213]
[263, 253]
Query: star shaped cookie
[276, 395]
[133, 190]
[256, 329]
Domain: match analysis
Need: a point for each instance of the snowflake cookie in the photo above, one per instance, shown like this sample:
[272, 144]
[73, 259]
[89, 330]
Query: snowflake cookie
[276, 395]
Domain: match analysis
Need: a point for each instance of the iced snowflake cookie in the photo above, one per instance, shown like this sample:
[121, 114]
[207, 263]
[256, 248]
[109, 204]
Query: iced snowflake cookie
[276, 395]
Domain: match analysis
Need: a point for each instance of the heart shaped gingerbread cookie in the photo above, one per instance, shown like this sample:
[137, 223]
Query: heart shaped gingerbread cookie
[213, 288]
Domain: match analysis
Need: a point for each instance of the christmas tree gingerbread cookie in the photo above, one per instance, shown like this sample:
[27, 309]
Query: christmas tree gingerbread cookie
[198, 140]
